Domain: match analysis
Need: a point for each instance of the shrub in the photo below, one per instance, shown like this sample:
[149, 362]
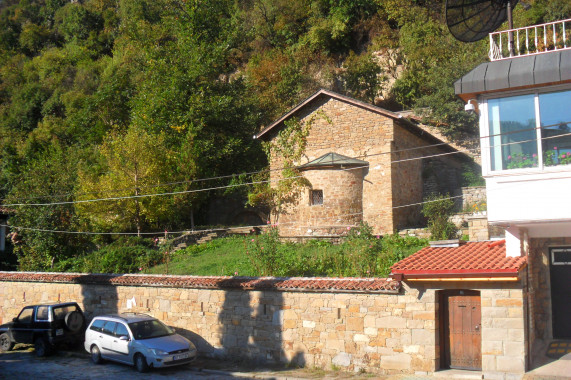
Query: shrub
[263, 252]
[395, 248]
[360, 254]
[362, 250]
[437, 209]
[125, 255]
[472, 175]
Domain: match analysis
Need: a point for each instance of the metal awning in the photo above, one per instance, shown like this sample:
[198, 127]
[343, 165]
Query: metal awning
[530, 71]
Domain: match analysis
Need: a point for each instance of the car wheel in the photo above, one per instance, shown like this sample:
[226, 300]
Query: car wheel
[41, 346]
[5, 343]
[141, 363]
[74, 321]
[96, 355]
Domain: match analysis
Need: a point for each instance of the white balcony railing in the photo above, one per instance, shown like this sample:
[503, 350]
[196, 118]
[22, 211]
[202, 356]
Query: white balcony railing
[531, 40]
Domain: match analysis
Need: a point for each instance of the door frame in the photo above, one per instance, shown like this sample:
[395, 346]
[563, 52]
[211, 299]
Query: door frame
[443, 322]
[553, 267]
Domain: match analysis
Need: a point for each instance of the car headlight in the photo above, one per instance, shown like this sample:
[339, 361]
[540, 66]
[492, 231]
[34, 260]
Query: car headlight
[158, 352]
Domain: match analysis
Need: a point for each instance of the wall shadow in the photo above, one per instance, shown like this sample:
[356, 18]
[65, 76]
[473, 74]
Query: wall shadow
[99, 294]
[202, 345]
[251, 323]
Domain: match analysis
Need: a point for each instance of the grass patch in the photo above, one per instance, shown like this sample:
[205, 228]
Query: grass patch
[360, 255]
[219, 257]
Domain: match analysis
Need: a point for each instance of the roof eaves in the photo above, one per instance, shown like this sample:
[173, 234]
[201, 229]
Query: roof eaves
[332, 94]
[458, 272]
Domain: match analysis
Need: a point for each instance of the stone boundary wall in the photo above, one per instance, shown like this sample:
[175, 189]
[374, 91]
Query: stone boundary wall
[354, 324]
[475, 195]
[379, 326]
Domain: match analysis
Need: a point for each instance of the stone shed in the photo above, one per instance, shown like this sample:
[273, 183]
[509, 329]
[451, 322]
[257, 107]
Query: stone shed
[481, 296]
[363, 163]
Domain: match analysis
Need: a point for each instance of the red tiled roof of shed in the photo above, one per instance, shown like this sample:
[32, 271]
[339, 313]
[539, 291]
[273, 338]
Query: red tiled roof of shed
[472, 259]
[377, 285]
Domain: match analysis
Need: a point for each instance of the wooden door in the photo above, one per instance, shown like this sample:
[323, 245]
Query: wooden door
[464, 341]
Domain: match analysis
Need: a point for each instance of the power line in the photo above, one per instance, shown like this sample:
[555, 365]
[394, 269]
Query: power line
[235, 175]
[269, 181]
[279, 224]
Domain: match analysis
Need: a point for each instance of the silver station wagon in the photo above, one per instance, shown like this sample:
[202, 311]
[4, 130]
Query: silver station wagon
[137, 339]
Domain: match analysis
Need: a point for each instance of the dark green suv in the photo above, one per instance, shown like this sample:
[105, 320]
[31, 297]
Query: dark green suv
[45, 326]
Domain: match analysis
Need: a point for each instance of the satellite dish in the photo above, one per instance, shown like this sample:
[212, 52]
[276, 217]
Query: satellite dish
[472, 20]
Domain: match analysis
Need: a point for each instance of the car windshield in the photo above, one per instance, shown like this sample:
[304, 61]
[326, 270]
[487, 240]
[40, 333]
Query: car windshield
[149, 329]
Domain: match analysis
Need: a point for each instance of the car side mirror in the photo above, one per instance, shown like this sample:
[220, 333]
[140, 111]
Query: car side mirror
[124, 337]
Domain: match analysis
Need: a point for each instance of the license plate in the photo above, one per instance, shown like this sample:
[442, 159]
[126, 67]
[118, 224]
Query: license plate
[59, 332]
[181, 356]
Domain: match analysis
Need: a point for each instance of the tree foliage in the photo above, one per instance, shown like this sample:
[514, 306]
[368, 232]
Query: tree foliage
[191, 81]
[129, 167]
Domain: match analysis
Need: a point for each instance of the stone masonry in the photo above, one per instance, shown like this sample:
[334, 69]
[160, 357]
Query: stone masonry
[394, 177]
[382, 332]
[540, 316]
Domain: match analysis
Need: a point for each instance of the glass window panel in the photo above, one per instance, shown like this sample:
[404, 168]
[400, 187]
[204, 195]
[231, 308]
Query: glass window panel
[42, 313]
[98, 325]
[121, 330]
[26, 315]
[555, 116]
[109, 327]
[513, 138]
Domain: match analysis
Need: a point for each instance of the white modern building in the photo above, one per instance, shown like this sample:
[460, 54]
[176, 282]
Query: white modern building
[523, 99]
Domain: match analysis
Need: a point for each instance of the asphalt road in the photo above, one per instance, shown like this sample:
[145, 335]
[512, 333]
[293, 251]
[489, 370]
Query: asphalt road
[22, 363]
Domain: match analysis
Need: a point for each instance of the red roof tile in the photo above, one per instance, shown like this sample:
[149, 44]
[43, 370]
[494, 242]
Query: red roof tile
[472, 259]
[377, 285]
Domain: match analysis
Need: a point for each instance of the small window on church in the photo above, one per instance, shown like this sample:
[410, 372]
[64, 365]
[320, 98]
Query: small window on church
[316, 197]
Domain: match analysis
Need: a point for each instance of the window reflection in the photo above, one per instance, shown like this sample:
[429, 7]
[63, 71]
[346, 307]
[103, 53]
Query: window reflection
[555, 116]
[513, 135]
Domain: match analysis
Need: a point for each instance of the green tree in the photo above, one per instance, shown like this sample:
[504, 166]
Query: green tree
[363, 77]
[34, 38]
[75, 22]
[129, 166]
[49, 178]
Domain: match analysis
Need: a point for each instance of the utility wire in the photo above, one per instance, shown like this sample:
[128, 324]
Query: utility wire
[269, 181]
[278, 169]
[162, 233]
[229, 175]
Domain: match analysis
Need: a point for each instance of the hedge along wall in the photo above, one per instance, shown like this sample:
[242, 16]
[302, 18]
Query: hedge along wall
[354, 324]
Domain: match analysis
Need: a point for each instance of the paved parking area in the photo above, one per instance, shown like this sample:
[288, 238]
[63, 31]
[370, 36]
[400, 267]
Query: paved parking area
[22, 363]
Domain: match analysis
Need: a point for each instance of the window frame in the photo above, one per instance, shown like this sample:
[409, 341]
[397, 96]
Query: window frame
[311, 197]
[47, 314]
[109, 332]
[485, 139]
[554, 250]
[95, 325]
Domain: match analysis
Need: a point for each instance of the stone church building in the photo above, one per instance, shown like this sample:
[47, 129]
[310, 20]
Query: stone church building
[362, 163]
